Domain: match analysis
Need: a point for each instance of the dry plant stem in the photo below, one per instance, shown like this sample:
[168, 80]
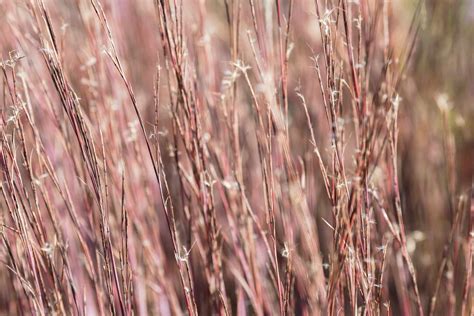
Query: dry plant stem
[468, 287]
[401, 226]
[169, 211]
[447, 256]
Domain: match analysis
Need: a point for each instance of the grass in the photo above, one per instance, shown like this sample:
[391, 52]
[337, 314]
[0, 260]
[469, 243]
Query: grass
[232, 158]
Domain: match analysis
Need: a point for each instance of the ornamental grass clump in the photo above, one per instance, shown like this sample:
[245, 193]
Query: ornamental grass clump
[229, 158]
